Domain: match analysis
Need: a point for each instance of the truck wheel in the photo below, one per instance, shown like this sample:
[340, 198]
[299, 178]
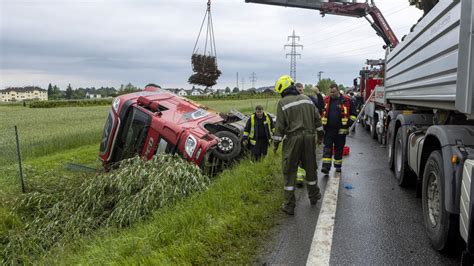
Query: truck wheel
[373, 127]
[438, 222]
[402, 173]
[229, 146]
[390, 155]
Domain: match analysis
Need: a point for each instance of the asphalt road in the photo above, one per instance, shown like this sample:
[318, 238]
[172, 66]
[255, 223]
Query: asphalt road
[376, 223]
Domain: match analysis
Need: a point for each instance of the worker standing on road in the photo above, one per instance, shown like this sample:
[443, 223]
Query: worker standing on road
[258, 132]
[298, 121]
[319, 101]
[338, 115]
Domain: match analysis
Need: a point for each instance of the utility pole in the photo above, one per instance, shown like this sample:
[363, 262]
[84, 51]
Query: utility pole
[243, 83]
[237, 80]
[253, 79]
[293, 45]
[319, 75]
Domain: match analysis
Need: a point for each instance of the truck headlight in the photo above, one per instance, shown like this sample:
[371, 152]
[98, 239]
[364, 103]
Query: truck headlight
[115, 104]
[190, 145]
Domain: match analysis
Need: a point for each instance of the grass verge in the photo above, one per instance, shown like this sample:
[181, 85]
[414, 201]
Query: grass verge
[223, 225]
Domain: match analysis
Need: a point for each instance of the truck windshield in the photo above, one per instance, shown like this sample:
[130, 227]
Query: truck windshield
[104, 143]
[133, 134]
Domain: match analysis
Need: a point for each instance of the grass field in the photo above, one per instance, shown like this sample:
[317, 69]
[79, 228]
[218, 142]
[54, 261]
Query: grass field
[245, 106]
[52, 138]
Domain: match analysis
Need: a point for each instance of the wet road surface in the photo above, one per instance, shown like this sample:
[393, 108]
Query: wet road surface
[376, 222]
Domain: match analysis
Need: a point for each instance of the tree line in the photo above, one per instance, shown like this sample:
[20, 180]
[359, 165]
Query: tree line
[55, 93]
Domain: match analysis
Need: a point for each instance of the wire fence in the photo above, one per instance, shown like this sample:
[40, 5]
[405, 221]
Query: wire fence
[11, 156]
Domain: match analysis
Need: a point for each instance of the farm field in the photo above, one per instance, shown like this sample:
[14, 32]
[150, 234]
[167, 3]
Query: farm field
[45, 132]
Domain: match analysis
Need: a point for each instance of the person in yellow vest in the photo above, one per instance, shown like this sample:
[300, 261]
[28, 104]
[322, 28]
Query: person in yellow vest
[258, 132]
[338, 115]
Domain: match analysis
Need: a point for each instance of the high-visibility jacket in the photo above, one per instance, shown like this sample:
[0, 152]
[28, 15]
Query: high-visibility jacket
[250, 128]
[348, 112]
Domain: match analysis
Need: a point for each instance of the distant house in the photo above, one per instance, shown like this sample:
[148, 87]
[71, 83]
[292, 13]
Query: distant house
[197, 92]
[182, 92]
[208, 91]
[14, 94]
[90, 95]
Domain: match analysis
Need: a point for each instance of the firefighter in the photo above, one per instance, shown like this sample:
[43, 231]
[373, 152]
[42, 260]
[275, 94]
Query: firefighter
[338, 115]
[258, 133]
[317, 102]
[298, 121]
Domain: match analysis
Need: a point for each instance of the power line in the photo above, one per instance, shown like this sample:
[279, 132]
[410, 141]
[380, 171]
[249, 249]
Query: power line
[253, 79]
[347, 51]
[293, 53]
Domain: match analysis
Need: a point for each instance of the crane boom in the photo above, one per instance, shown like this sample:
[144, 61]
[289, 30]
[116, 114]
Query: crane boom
[353, 9]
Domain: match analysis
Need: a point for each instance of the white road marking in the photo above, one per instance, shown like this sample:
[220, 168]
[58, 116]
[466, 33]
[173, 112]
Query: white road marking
[322, 240]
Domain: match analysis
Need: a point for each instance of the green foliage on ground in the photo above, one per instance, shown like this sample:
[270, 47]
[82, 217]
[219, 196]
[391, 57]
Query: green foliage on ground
[116, 199]
[223, 225]
[70, 103]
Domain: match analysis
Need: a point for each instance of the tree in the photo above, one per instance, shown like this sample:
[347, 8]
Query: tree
[129, 88]
[235, 90]
[50, 91]
[342, 87]
[57, 93]
[308, 89]
[227, 90]
[324, 84]
[69, 92]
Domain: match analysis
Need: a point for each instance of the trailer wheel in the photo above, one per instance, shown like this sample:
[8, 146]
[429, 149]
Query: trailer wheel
[402, 172]
[229, 146]
[439, 223]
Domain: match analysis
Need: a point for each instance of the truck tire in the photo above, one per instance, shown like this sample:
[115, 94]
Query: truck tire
[229, 145]
[402, 172]
[439, 224]
[390, 147]
[373, 127]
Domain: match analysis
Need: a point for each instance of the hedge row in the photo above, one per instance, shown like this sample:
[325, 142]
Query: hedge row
[70, 103]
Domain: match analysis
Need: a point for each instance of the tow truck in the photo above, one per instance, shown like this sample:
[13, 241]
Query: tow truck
[155, 121]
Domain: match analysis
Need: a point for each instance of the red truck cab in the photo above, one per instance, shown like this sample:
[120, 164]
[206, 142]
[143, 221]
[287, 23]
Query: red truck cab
[156, 121]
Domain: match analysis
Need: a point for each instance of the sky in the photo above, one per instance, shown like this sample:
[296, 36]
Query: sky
[94, 43]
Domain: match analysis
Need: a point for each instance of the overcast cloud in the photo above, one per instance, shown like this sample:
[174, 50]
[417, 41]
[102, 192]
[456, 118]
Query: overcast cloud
[111, 42]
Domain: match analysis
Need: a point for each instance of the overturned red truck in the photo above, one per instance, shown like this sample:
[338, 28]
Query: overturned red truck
[156, 121]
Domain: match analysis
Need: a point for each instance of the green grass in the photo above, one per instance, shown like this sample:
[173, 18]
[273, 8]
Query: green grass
[46, 131]
[245, 106]
[223, 225]
[117, 199]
